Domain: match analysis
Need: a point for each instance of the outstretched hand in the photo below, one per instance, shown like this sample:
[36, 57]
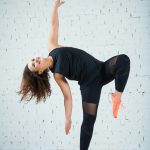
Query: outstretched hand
[67, 126]
[59, 2]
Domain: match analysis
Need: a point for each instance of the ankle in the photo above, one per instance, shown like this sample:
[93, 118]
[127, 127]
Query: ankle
[118, 95]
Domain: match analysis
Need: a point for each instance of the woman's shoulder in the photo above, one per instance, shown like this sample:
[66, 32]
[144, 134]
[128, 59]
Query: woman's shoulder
[52, 47]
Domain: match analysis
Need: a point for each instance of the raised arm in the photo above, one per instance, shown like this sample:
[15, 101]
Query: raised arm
[54, 26]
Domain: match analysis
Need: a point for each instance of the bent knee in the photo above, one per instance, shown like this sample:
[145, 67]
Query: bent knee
[124, 59]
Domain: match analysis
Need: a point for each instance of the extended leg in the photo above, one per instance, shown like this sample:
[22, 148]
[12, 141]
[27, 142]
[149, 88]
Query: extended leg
[89, 118]
[90, 102]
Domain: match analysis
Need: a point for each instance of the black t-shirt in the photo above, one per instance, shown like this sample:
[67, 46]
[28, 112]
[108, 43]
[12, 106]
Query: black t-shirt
[76, 64]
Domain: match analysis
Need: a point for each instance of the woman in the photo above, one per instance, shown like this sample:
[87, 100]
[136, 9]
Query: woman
[75, 64]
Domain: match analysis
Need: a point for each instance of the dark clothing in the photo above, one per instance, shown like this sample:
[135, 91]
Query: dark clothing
[118, 68]
[76, 64]
[92, 74]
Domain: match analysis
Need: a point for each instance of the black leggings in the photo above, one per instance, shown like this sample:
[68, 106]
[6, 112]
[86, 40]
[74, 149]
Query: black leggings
[118, 68]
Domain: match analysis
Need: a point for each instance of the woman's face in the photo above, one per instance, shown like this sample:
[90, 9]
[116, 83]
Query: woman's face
[37, 64]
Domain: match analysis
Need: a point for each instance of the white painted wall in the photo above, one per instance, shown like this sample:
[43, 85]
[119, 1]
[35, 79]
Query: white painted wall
[101, 27]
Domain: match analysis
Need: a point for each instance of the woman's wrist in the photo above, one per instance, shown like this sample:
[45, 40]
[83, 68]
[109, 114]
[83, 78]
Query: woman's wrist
[68, 119]
[56, 5]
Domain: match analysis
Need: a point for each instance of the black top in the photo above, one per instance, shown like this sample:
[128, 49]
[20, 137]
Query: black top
[76, 64]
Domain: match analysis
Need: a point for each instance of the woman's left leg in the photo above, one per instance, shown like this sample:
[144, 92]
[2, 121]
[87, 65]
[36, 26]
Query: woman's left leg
[118, 68]
[90, 102]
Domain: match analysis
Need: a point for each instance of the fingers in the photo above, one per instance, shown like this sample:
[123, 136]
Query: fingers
[62, 2]
[67, 131]
[67, 128]
[59, 3]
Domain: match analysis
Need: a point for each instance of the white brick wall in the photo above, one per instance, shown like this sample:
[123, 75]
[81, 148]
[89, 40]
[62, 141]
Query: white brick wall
[101, 27]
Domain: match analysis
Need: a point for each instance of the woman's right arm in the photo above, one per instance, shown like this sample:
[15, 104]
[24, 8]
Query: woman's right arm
[65, 88]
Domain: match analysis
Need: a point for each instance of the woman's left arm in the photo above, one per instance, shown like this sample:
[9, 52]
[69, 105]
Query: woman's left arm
[54, 25]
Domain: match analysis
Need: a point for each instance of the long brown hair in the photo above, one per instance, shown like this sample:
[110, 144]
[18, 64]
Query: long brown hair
[35, 85]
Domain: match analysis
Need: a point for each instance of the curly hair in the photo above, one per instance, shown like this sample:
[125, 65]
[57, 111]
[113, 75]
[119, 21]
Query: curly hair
[35, 85]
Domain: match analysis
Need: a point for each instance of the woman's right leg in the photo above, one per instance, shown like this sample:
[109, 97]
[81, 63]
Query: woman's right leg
[118, 68]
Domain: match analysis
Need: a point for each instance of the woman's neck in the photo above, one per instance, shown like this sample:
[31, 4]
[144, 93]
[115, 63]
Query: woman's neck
[50, 62]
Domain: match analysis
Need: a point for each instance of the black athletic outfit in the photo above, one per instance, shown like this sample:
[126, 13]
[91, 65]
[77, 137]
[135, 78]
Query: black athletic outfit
[91, 74]
[76, 64]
